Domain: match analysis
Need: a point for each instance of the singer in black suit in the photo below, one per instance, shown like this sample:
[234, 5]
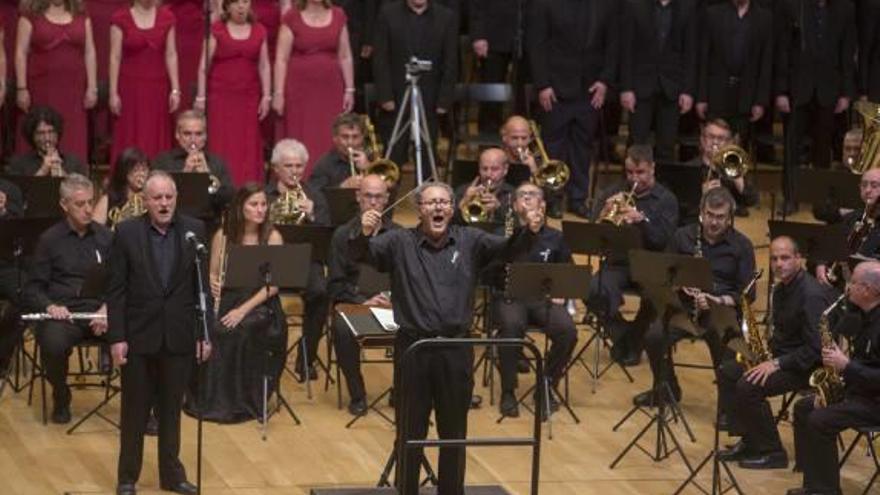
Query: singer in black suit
[573, 54]
[869, 50]
[151, 307]
[658, 68]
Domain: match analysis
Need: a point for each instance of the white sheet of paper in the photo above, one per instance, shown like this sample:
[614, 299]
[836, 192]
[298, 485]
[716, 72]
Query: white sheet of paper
[385, 317]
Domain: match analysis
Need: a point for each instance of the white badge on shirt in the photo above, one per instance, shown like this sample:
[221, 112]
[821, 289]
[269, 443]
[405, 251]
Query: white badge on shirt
[454, 256]
[545, 254]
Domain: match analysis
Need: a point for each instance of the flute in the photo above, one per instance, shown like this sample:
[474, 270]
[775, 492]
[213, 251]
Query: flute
[73, 316]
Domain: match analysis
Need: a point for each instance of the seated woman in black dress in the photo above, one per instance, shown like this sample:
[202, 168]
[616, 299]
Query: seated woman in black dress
[126, 181]
[250, 335]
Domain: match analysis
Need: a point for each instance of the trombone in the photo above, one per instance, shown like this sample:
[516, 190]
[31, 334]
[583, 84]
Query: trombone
[730, 161]
[553, 174]
[383, 167]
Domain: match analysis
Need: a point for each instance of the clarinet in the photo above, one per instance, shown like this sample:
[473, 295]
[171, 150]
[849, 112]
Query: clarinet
[698, 253]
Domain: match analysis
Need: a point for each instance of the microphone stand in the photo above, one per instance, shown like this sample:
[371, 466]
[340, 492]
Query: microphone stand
[202, 338]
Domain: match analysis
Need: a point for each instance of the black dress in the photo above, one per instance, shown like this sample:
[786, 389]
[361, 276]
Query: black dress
[233, 376]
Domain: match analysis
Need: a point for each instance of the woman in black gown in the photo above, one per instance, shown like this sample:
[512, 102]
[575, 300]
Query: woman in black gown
[250, 335]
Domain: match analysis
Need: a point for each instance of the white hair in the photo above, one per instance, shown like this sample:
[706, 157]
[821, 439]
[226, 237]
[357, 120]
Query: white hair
[74, 182]
[289, 147]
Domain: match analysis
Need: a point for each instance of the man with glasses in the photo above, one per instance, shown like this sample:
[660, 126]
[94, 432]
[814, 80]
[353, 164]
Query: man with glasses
[42, 129]
[816, 426]
[731, 257]
[342, 287]
[434, 268]
[869, 190]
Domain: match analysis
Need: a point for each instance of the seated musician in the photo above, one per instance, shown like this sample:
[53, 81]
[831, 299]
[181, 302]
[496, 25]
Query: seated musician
[126, 181]
[514, 315]
[250, 321]
[488, 189]
[516, 135]
[830, 211]
[655, 215]
[289, 158]
[732, 260]
[333, 169]
[817, 425]
[714, 135]
[791, 353]
[869, 245]
[192, 156]
[42, 129]
[342, 287]
[65, 255]
[10, 207]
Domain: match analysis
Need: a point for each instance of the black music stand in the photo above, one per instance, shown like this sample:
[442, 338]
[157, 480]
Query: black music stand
[285, 267]
[603, 240]
[546, 281]
[319, 237]
[815, 240]
[40, 195]
[836, 187]
[659, 274]
[343, 204]
[193, 198]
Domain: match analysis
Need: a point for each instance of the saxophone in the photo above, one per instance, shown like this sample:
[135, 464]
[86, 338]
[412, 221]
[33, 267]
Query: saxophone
[134, 207]
[758, 341]
[286, 209]
[827, 382]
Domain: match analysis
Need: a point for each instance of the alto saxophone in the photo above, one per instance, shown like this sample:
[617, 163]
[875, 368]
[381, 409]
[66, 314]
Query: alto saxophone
[826, 380]
[758, 341]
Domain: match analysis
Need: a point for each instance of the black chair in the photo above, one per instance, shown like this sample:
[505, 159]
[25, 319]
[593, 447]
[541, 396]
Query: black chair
[870, 434]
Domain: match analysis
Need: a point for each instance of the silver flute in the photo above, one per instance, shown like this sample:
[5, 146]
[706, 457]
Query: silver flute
[73, 316]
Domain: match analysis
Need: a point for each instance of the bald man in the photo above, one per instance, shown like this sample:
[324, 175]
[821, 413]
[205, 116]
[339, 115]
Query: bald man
[516, 135]
[343, 287]
[798, 302]
[490, 187]
[869, 191]
[816, 427]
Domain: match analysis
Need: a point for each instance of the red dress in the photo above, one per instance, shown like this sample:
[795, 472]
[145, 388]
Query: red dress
[268, 13]
[314, 87]
[100, 12]
[56, 75]
[233, 100]
[190, 38]
[143, 85]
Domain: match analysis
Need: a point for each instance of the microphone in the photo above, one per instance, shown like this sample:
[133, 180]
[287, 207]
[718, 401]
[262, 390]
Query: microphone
[194, 240]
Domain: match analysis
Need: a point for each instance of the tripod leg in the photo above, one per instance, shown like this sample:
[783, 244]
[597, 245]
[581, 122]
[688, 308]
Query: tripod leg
[398, 130]
[426, 134]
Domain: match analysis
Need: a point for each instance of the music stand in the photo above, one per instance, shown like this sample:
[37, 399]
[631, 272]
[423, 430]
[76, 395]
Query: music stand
[602, 240]
[659, 274]
[816, 186]
[193, 198]
[547, 281]
[40, 195]
[285, 267]
[815, 240]
[343, 204]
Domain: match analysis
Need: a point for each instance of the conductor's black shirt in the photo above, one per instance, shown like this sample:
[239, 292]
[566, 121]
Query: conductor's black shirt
[797, 307]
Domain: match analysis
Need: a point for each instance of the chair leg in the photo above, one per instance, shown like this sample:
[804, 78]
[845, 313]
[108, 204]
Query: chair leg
[873, 452]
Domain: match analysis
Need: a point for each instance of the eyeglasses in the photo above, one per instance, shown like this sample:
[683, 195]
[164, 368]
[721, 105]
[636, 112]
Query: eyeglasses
[528, 194]
[374, 197]
[873, 184]
[443, 203]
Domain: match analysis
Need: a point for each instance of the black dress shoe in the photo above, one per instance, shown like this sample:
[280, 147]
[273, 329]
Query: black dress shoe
[649, 398]
[554, 210]
[126, 489]
[738, 451]
[723, 422]
[579, 209]
[184, 487]
[795, 491]
[152, 426]
[787, 209]
[522, 366]
[61, 414]
[357, 407]
[508, 406]
[476, 401]
[632, 358]
[741, 211]
[770, 460]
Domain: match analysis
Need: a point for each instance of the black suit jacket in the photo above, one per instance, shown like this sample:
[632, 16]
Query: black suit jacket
[869, 50]
[644, 64]
[140, 311]
[572, 44]
[361, 16]
[755, 85]
[801, 69]
[496, 22]
[393, 50]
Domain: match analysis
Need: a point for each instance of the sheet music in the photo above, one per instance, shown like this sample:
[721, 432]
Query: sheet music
[385, 317]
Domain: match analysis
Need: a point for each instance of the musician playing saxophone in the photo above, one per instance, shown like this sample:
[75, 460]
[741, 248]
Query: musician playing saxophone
[65, 255]
[489, 188]
[816, 428]
[798, 302]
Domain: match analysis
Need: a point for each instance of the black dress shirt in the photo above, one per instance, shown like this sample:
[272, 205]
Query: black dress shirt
[343, 271]
[14, 200]
[732, 259]
[503, 192]
[62, 261]
[330, 171]
[164, 251]
[433, 285]
[862, 374]
[321, 210]
[662, 21]
[29, 162]
[659, 207]
[797, 307]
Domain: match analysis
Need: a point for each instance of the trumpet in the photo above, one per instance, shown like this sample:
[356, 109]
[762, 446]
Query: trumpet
[730, 161]
[50, 152]
[201, 166]
[553, 174]
[620, 205]
[352, 170]
[475, 211]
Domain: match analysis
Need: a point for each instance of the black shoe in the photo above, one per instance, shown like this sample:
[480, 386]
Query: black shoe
[61, 414]
[554, 210]
[508, 406]
[770, 460]
[579, 209]
[553, 406]
[152, 426]
[522, 366]
[476, 401]
[795, 491]
[649, 399]
[357, 407]
[741, 211]
[632, 358]
[787, 209]
[126, 489]
[618, 352]
[184, 487]
[738, 451]
[313, 374]
[723, 422]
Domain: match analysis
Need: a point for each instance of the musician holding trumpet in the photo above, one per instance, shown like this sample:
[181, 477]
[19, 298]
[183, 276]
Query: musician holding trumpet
[65, 254]
[487, 197]
[817, 426]
[42, 128]
[344, 165]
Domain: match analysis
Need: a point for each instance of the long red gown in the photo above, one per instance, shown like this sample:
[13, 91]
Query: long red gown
[100, 12]
[268, 13]
[313, 87]
[143, 85]
[190, 38]
[56, 74]
[233, 100]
